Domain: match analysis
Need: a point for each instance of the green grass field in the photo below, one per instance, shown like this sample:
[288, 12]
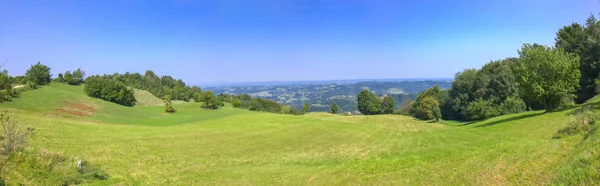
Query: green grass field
[143, 146]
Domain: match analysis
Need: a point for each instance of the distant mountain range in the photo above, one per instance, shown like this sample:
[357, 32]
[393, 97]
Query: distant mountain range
[321, 94]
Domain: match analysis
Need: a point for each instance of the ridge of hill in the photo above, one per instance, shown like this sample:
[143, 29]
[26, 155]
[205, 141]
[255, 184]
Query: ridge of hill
[144, 146]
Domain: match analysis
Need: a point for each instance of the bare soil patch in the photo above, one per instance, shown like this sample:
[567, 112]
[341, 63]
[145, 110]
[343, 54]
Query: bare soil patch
[79, 106]
[71, 112]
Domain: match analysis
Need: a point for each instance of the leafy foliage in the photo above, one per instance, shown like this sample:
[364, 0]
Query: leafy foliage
[388, 105]
[13, 136]
[305, 108]
[76, 78]
[209, 100]
[158, 86]
[428, 108]
[406, 107]
[547, 74]
[260, 104]
[368, 103]
[38, 75]
[109, 90]
[168, 105]
[236, 102]
[6, 90]
[334, 108]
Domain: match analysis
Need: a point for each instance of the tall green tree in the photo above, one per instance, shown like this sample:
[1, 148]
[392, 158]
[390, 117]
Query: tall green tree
[38, 74]
[368, 103]
[589, 54]
[60, 78]
[305, 108]
[389, 105]
[547, 74]
[334, 108]
[428, 108]
[570, 38]
[406, 107]
[209, 99]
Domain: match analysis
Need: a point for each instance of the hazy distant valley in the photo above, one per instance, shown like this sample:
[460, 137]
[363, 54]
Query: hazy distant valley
[321, 96]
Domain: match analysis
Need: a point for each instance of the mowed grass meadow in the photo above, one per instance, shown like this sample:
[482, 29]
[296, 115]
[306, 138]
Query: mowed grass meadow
[141, 145]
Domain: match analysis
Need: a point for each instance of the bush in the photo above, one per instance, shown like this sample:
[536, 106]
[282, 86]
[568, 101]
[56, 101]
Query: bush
[236, 102]
[168, 105]
[13, 137]
[110, 90]
[427, 108]
[210, 100]
[512, 105]
[482, 109]
[368, 103]
[38, 74]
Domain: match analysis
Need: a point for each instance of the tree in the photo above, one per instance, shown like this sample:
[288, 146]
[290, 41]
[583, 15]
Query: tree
[60, 78]
[168, 105]
[209, 99]
[68, 77]
[38, 74]
[334, 108]
[547, 74]
[235, 102]
[589, 58]
[406, 107]
[305, 108]
[570, 38]
[481, 109]
[428, 108]
[7, 91]
[368, 103]
[109, 90]
[76, 78]
[388, 105]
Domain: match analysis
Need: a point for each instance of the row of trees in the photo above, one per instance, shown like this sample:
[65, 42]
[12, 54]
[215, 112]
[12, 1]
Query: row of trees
[541, 77]
[109, 90]
[583, 41]
[370, 104]
[75, 78]
[159, 86]
[256, 104]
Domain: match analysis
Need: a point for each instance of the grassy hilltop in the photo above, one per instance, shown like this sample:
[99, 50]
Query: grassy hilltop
[141, 145]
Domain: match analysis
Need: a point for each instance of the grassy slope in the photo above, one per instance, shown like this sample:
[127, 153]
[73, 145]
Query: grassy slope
[145, 98]
[140, 145]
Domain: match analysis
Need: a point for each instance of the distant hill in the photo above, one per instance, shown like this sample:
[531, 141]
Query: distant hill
[321, 96]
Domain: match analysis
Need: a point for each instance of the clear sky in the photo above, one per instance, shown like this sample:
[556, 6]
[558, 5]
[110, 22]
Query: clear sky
[277, 40]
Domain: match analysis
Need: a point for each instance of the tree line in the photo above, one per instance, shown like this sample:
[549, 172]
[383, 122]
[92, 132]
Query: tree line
[542, 77]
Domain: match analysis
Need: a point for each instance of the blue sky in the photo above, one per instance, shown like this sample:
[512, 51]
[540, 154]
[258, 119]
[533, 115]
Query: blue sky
[240, 41]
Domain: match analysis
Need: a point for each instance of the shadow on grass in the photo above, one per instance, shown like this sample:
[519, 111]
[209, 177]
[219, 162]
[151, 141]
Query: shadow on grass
[511, 119]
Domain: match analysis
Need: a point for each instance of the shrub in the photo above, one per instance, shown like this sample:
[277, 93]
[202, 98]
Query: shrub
[368, 103]
[512, 105]
[168, 105]
[210, 100]
[428, 108]
[13, 137]
[38, 74]
[110, 90]
[236, 102]
[405, 108]
[482, 109]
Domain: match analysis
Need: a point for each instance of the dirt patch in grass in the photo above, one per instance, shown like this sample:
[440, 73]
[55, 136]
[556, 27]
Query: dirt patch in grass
[79, 106]
[71, 112]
